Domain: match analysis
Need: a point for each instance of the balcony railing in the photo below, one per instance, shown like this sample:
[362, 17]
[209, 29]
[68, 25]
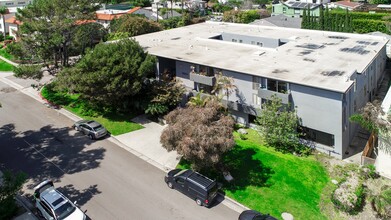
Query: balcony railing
[267, 94]
[206, 80]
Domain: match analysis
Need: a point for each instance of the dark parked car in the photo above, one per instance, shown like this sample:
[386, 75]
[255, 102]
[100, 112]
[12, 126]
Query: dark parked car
[196, 186]
[254, 215]
[91, 128]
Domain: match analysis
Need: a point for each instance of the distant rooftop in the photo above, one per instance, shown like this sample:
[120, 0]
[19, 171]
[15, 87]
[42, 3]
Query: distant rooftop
[279, 21]
[314, 58]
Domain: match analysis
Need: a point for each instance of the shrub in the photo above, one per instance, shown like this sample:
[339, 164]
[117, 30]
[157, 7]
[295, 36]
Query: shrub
[349, 196]
[363, 26]
[369, 172]
[242, 136]
[382, 203]
[12, 183]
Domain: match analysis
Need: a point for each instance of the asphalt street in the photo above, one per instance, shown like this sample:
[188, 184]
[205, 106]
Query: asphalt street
[107, 181]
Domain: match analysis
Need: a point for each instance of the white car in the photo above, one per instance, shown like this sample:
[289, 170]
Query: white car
[52, 205]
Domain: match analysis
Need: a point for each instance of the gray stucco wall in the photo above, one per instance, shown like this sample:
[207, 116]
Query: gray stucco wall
[183, 73]
[266, 42]
[320, 110]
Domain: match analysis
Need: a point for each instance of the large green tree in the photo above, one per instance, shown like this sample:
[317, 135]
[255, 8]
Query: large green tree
[278, 125]
[87, 35]
[110, 74]
[200, 134]
[132, 25]
[9, 187]
[48, 27]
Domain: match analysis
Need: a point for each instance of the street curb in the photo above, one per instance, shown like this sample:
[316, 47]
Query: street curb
[230, 203]
[114, 140]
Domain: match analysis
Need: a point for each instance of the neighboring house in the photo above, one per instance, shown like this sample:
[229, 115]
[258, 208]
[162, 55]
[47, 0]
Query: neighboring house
[327, 76]
[13, 5]
[279, 21]
[13, 26]
[294, 8]
[388, 46]
[383, 159]
[6, 16]
[315, 1]
[346, 5]
[151, 15]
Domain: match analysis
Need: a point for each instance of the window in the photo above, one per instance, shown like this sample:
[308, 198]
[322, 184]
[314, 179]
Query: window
[344, 118]
[9, 3]
[318, 136]
[240, 41]
[180, 180]
[46, 208]
[260, 44]
[284, 10]
[262, 82]
[256, 99]
[234, 40]
[282, 87]
[271, 85]
[255, 83]
[252, 119]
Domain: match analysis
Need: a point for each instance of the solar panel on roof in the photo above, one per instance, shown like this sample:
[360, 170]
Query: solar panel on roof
[296, 4]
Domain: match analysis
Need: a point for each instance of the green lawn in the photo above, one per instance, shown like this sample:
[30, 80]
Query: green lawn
[4, 66]
[116, 124]
[4, 54]
[273, 182]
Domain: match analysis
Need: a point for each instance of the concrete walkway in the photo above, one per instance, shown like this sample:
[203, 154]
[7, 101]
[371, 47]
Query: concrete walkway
[147, 142]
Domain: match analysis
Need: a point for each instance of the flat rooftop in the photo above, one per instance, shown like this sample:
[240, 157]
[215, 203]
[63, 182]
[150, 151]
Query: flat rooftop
[314, 58]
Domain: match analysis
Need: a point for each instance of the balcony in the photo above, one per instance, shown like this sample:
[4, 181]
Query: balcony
[267, 94]
[206, 80]
[241, 107]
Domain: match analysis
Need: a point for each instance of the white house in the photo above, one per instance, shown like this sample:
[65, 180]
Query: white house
[383, 159]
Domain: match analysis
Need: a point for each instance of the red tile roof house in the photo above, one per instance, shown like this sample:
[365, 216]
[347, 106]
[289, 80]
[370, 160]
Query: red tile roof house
[346, 5]
[13, 26]
[104, 17]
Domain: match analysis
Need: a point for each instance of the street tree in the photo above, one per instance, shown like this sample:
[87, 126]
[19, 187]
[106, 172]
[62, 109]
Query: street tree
[48, 27]
[3, 11]
[278, 125]
[200, 134]
[133, 25]
[9, 187]
[109, 75]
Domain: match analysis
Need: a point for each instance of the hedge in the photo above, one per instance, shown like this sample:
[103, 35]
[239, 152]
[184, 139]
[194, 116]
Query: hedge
[363, 26]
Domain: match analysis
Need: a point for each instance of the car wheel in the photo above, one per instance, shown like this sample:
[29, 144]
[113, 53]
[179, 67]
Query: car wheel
[91, 136]
[76, 128]
[198, 201]
[169, 184]
[39, 213]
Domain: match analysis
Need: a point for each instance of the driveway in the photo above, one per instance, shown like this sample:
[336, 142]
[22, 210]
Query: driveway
[147, 143]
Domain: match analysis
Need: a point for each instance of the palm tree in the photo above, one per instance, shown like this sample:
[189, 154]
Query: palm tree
[3, 11]
[224, 84]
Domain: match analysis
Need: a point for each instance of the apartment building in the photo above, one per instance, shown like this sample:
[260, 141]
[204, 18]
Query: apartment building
[326, 76]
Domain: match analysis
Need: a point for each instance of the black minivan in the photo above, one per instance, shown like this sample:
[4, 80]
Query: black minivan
[196, 186]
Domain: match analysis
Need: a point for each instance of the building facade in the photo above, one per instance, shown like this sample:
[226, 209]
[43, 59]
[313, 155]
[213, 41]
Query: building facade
[326, 76]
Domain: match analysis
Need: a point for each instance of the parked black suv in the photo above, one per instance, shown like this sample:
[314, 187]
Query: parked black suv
[196, 186]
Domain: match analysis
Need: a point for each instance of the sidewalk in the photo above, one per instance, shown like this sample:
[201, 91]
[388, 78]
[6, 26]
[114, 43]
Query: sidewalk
[143, 143]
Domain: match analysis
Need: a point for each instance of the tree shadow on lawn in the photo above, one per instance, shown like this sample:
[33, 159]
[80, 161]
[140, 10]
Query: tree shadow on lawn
[246, 170]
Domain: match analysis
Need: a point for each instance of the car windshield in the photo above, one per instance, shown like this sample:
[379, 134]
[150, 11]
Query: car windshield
[64, 211]
[99, 127]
